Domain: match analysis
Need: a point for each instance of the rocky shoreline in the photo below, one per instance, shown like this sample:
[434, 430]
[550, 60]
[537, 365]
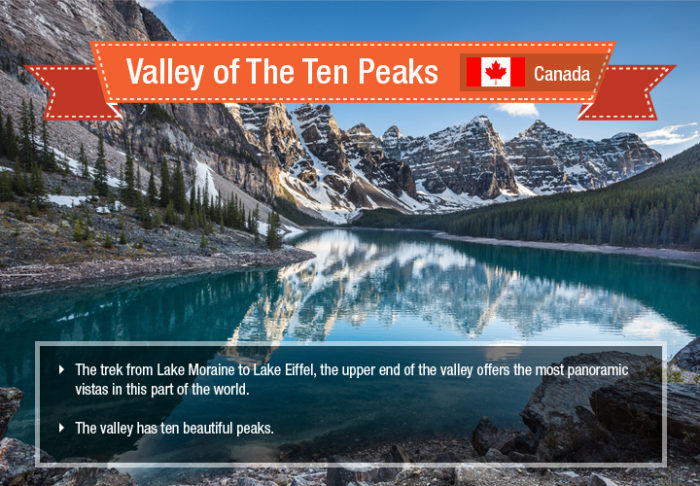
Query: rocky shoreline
[34, 276]
[569, 421]
[663, 253]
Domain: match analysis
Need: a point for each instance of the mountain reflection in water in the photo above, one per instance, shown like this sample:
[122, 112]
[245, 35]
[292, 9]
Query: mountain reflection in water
[368, 286]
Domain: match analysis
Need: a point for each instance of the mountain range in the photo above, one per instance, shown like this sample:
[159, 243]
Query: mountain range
[267, 153]
[337, 172]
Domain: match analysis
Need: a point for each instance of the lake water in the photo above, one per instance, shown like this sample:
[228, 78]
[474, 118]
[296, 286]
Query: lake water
[369, 286]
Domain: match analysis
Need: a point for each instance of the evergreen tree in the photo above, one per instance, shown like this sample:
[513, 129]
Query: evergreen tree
[187, 220]
[32, 125]
[11, 149]
[152, 191]
[273, 239]
[6, 192]
[26, 150]
[170, 215]
[165, 190]
[129, 189]
[205, 198]
[82, 158]
[78, 230]
[193, 195]
[144, 214]
[100, 182]
[36, 184]
[179, 196]
[255, 217]
[2, 135]
[19, 185]
[48, 159]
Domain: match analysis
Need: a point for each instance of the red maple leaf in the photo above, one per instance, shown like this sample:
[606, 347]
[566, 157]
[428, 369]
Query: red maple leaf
[495, 71]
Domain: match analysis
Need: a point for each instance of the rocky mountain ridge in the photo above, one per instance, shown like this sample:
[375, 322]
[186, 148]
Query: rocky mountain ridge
[336, 173]
[270, 152]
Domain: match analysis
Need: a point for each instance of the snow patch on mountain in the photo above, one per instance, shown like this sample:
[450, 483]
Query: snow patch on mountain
[204, 180]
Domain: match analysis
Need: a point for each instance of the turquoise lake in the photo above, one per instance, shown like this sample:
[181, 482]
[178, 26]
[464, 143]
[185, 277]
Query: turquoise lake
[369, 286]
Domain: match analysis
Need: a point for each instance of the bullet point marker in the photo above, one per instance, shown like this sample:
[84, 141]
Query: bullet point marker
[60, 369]
[60, 427]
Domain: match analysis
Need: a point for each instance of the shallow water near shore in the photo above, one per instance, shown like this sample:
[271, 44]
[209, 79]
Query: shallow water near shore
[371, 286]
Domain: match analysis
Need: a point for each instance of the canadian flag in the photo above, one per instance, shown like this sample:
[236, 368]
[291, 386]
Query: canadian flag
[496, 72]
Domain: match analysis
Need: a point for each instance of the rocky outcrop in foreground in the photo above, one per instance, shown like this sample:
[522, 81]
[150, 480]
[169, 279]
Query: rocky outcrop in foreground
[17, 458]
[10, 399]
[600, 419]
[560, 415]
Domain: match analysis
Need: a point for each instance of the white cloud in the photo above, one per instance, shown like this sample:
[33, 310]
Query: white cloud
[518, 109]
[669, 135]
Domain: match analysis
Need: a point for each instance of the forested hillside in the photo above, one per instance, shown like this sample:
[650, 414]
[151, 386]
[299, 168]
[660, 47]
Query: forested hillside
[659, 207]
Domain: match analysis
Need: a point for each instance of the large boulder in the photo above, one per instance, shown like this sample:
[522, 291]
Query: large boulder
[688, 358]
[636, 408]
[10, 399]
[17, 465]
[560, 415]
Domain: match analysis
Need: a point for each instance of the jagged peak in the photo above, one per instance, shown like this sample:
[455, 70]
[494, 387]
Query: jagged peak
[309, 107]
[539, 130]
[392, 132]
[539, 122]
[538, 126]
[480, 120]
[625, 135]
[360, 129]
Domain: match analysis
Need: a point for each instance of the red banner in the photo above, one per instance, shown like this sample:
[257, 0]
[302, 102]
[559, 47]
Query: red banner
[351, 72]
[75, 93]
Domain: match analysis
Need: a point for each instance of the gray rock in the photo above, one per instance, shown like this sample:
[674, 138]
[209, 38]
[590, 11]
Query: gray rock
[299, 481]
[688, 358]
[559, 412]
[469, 475]
[494, 455]
[17, 465]
[598, 480]
[516, 456]
[10, 399]
[397, 454]
[342, 476]
[96, 477]
[17, 468]
[487, 436]
[636, 407]
[248, 482]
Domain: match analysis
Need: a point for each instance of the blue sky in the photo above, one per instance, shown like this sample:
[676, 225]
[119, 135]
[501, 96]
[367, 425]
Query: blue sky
[646, 33]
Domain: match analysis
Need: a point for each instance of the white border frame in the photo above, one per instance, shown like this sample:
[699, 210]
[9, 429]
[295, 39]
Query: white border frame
[352, 465]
